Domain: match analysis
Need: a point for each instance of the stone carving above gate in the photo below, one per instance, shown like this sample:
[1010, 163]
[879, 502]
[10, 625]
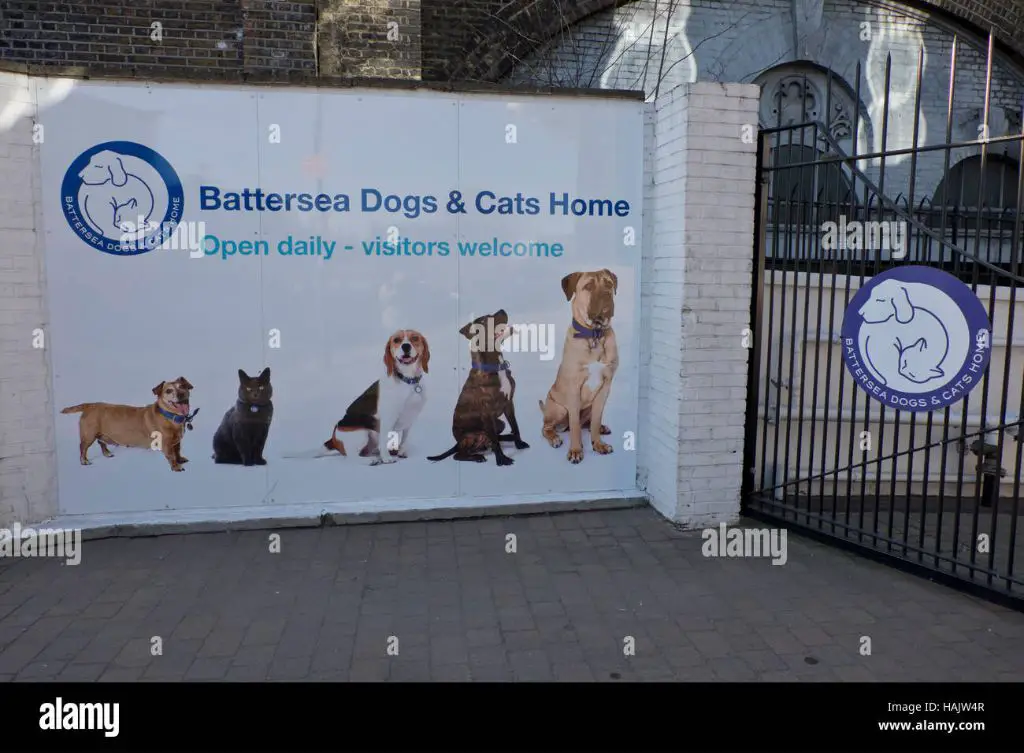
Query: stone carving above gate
[791, 95]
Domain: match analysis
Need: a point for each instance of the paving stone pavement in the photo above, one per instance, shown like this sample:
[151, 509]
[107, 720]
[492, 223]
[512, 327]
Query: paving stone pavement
[462, 608]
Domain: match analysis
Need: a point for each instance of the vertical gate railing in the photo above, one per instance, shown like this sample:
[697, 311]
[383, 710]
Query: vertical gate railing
[940, 491]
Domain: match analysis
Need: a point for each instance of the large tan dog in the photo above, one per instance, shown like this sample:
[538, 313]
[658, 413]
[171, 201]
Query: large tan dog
[571, 402]
[157, 426]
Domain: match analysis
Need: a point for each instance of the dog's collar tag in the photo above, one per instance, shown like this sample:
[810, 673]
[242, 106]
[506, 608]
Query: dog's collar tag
[594, 334]
[417, 389]
[254, 409]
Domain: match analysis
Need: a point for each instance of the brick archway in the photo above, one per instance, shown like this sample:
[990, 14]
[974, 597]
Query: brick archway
[480, 40]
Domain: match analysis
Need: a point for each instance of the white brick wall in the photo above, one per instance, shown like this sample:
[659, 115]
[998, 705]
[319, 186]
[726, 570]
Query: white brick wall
[28, 484]
[695, 300]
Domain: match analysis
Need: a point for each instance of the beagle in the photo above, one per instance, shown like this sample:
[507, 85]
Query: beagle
[392, 404]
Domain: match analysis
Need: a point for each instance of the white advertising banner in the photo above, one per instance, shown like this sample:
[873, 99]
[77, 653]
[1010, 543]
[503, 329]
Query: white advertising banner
[267, 296]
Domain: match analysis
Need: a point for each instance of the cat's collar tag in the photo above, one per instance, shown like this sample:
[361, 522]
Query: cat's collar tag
[254, 409]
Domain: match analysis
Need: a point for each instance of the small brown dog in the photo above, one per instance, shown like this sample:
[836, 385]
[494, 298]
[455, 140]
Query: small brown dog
[487, 395]
[158, 426]
[571, 403]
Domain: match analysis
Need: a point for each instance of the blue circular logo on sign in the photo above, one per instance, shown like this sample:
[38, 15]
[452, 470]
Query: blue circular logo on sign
[122, 198]
[916, 338]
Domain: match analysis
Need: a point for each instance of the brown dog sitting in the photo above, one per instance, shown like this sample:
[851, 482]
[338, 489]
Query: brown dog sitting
[159, 426]
[487, 395]
[571, 403]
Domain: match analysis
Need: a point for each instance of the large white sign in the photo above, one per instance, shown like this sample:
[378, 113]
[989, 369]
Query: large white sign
[269, 296]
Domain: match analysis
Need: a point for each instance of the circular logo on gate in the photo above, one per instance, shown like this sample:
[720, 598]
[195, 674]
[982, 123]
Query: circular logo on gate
[916, 338]
[122, 198]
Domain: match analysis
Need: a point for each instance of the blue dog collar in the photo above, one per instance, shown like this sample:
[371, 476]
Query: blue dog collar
[595, 333]
[492, 368]
[414, 381]
[176, 418]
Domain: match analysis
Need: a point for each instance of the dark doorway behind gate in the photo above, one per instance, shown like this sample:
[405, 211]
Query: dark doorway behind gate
[939, 492]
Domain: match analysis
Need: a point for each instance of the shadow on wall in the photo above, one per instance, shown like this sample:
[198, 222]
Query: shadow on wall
[651, 52]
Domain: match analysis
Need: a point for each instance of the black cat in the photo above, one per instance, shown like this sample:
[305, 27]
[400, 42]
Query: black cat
[243, 431]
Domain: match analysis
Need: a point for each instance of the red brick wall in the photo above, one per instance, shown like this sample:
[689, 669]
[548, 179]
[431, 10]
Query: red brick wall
[436, 40]
[225, 35]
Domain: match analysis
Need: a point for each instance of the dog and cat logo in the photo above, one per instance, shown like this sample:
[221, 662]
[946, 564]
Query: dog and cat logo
[122, 198]
[916, 338]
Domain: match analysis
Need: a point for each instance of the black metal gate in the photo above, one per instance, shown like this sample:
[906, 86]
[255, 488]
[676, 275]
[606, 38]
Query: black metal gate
[938, 492]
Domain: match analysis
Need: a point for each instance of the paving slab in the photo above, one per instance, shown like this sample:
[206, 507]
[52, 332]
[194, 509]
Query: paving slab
[608, 596]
